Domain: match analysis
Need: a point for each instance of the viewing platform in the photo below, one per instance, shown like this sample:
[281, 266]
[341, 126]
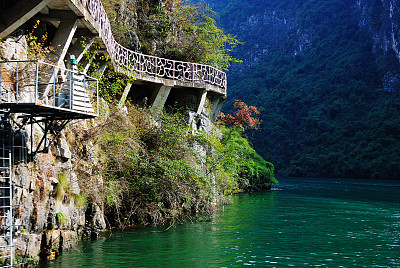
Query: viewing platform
[45, 90]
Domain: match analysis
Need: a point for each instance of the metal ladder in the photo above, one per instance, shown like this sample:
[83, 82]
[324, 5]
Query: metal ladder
[12, 230]
[6, 194]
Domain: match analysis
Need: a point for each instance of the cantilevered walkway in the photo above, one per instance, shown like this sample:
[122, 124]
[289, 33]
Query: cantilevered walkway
[157, 79]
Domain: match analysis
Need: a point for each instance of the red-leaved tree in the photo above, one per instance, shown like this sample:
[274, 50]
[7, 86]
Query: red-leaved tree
[244, 115]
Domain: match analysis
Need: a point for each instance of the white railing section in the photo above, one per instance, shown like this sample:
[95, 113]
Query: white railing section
[40, 83]
[149, 65]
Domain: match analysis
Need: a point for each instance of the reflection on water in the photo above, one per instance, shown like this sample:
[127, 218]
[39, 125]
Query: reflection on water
[309, 222]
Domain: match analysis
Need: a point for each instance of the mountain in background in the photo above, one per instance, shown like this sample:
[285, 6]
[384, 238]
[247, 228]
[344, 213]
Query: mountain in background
[325, 75]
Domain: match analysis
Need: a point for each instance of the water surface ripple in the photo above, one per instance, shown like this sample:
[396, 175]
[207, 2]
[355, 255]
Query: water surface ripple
[306, 223]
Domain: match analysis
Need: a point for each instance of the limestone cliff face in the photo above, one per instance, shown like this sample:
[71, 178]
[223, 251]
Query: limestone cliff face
[289, 27]
[270, 31]
[381, 19]
[264, 28]
[51, 210]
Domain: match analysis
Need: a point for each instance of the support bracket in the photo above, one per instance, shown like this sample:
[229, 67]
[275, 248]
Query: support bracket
[49, 126]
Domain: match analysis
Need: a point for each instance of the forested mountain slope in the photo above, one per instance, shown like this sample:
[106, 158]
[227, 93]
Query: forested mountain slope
[325, 76]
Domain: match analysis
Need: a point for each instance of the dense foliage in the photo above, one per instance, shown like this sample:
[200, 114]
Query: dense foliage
[238, 158]
[172, 29]
[112, 84]
[155, 169]
[325, 111]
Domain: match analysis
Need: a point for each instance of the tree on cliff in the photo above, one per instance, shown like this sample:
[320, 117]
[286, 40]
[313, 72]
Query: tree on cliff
[244, 116]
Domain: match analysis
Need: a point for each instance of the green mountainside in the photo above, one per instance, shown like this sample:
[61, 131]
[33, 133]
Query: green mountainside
[325, 77]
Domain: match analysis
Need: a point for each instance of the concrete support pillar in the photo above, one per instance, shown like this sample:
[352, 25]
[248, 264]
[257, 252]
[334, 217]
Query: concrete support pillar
[88, 63]
[124, 95]
[61, 42]
[201, 101]
[215, 108]
[85, 50]
[18, 14]
[102, 68]
[63, 38]
[160, 96]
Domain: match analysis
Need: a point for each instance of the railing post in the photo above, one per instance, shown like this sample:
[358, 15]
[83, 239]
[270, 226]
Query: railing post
[192, 69]
[11, 189]
[97, 94]
[17, 82]
[84, 93]
[8, 95]
[1, 78]
[173, 69]
[70, 90]
[156, 66]
[36, 82]
[54, 86]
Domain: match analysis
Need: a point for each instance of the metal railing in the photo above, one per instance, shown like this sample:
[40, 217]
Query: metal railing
[40, 83]
[150, 65]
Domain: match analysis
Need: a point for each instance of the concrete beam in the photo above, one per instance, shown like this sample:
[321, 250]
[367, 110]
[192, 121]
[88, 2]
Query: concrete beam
[61, 42]
[88, 63]
[201, 101]
[18, 14]
[84, 32]
[160, 96]
[45, 10]
[58, 15]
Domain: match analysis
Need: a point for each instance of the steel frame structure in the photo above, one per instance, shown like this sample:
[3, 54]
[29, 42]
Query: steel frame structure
[41, 94]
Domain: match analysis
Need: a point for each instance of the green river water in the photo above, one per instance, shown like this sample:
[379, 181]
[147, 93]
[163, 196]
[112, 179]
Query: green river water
[305, 223]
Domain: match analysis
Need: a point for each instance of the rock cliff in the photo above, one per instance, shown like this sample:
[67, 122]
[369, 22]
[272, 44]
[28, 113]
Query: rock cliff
[381, 19]
[289, 26]
[50, 209]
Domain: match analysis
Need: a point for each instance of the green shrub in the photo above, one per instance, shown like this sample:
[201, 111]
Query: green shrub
[62, 185]
[60, 218]
[177, 30]
[80, 200]
[150, 169]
